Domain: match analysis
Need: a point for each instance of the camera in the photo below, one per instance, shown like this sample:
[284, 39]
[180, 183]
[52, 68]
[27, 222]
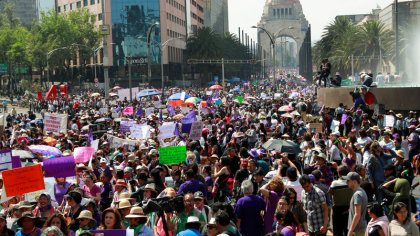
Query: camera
[166, 204]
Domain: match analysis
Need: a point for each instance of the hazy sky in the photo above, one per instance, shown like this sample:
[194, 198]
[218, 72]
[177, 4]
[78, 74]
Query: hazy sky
[319, 13]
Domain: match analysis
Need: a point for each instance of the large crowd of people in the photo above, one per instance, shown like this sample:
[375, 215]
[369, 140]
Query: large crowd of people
[270, 161]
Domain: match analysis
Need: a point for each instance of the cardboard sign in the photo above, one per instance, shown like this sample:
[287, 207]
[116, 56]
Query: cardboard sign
[55, 123]
[172, 155]
[196, 128]
[83, 154]
[315, 127]
[125, 93]
[389, 121]
[23, 180]
[95, 144]
[128, 111]
[5, 160]
[149, 111]
[59, 167]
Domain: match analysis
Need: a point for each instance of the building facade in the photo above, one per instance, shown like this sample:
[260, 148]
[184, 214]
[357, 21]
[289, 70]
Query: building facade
[25, 10]
[216, 15]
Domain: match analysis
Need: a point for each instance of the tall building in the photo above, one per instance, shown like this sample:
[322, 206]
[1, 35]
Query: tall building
[25, 10]
[216, 15]
[195, 18]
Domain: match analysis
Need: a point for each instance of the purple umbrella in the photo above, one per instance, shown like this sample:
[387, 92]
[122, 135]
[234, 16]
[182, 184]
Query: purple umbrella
[45, 150]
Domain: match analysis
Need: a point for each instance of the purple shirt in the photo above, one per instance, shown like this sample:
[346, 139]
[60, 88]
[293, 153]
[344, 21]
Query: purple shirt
[270, 209]
[248, 210]
[288, 231]
[192, 186]
[60, 191]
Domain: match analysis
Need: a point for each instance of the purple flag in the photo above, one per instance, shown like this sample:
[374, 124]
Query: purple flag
[176, 132]
[160, 115]
[343, 119]
[90, 138]
[118, 108]
[171, 110]
[59, 167]
[16, 162]
[139, 111]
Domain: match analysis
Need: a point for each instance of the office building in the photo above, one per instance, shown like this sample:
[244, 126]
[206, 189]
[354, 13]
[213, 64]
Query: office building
[25, 10]
[216, 15]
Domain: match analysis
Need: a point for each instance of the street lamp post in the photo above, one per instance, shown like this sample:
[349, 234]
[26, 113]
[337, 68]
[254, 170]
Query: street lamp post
[162, 46]
[48, 57]
[149, 69]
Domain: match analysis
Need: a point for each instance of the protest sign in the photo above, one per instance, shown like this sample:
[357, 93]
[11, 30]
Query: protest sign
[116, 142]
[172, 155]
[83, 154]
[16, 162]
[115, 115]
[59, 167]
[335, 125]
[196, 128]
[23, 180]
[113, 232]
[167, 130]
[389, 121]
[149, 111]
[125, 125]
[95, 144]
[125, 93]
[315, 127]
[240, 99]
[49, 188]
[140, 131]
[5, 160]
[128, 111]
[55, 123]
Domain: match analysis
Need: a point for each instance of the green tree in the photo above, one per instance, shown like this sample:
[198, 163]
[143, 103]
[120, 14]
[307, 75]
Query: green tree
[204, 44]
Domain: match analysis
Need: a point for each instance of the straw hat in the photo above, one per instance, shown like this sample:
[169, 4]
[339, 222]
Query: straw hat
[27, 214]
[136, 212]
[400, 154]
[124, 203]
[85, 214]
[151, 187]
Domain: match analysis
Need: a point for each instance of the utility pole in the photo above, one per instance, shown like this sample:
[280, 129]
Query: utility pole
[397, 48]
[105, 55]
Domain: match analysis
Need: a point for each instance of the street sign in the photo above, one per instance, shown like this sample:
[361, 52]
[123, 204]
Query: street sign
[105, 30]
[3, 68]
[136, 60]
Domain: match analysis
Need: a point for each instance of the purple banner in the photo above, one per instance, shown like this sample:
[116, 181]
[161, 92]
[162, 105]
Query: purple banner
[343, 119]
[59, 167]
[16, 162]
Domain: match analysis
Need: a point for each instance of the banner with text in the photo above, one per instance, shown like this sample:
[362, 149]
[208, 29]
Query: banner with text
[23, 180]
[55, 123]
[172, 155]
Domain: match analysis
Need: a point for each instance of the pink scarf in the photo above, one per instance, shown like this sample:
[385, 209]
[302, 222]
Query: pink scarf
[381, 221]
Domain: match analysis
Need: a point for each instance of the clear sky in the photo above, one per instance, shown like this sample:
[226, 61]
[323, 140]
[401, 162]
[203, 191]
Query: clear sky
[319, 13]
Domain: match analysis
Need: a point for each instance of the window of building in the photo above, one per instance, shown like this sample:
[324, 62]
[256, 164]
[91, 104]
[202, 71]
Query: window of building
[85, 3]
[66, 6]
[58, 9]
[99, 16]
[282, 13]
[290, 11]
[274, 12]
[79, 4]
[92, 2]
[99, 1]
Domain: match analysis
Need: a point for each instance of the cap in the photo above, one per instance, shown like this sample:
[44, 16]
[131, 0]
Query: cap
[193, 219]
[352, 176]
[198, 195]
[153, 152]
[103, 160]
[76, 196]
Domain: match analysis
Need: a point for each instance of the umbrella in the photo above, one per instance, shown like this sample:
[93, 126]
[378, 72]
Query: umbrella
[45, 150]
[23, 154]
[95, 94]
[116, 87]
[113, 95]
[251, 98]
[148, 92]
[286, 108]
[282, 146]
[216, 87]
[179, 96]
[193, 100]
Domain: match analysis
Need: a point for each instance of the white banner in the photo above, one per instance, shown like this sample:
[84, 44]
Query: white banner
[140, 131]
[125, 93]
[55, 123]
[149, 111]
[389, 121]
[167, 130]
[116, 142]
[196, 128]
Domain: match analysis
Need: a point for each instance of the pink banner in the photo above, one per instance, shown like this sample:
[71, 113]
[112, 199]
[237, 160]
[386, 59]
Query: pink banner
[83, 154]
[128, 111]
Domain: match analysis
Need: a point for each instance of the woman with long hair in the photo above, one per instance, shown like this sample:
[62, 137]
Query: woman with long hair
[378, 224]
[402, 225]
[296, 208]
[271, 193]
[58, 221]
[221, 176]
[111, 219]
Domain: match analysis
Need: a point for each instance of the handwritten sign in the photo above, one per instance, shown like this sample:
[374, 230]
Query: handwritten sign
[116, 142]
[196, 128]
[59, 167]
[49, 188]
[149, 111]
[55, 123]
[23, 180]
[389, 121]
[140, 131]
[83, 154]
[167, 130]
[315, 127]
[125, 125]
[172, 155]
[5, 160]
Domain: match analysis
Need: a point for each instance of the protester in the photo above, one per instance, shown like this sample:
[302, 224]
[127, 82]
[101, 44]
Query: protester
[402, 224]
